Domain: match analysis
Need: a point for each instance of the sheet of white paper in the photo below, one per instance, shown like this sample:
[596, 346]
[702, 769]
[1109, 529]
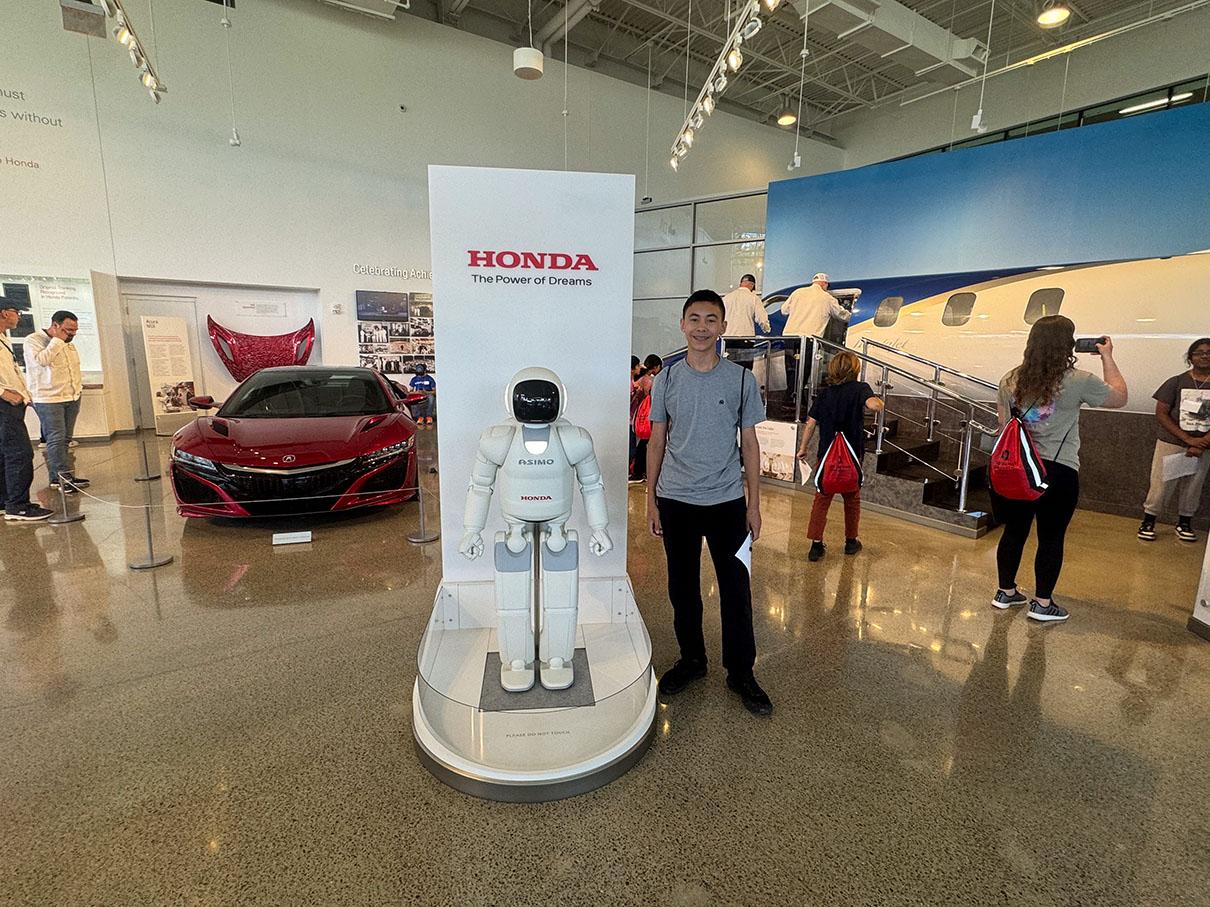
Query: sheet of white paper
[1177, 465]
[805, 472]
[745, 553]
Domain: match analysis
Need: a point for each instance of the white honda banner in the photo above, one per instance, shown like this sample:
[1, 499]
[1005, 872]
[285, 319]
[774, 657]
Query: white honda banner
[531, 268]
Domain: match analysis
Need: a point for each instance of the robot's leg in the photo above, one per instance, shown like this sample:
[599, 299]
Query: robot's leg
[560, 588]
[514, 611]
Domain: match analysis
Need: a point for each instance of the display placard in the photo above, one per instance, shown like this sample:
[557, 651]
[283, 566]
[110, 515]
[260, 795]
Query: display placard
[531, 268]
[47, 295]
[778, 445]
[169, 371]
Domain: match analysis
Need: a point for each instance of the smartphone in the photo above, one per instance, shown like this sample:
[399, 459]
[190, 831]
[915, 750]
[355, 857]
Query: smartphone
[1088, 344]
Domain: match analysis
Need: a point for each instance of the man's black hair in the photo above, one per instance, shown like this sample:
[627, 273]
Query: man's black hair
[63, 315]
[750, 277]
[653, 361]
[705, 296]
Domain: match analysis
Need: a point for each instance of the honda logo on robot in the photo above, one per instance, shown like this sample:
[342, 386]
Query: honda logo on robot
[536, 497]
[531, 261]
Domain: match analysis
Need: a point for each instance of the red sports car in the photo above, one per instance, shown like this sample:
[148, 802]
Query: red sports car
[299, 439]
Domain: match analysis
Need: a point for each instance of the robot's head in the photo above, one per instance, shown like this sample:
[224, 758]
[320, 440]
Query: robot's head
[535, 396]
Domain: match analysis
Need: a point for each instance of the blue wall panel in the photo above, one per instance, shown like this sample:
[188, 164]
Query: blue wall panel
[1132, 188]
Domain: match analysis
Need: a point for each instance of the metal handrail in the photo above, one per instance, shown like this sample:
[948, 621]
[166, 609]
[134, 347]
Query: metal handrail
[867, 342]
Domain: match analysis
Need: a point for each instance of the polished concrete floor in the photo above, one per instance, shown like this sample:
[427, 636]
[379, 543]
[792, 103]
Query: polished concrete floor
[235, 728]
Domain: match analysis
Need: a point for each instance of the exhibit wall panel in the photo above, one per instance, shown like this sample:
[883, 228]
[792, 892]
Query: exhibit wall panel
[492, 322]
[328, 186]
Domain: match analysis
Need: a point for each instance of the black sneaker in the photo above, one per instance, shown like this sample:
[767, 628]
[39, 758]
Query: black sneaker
[1051, 612]
[755, 699]
[1147, 528]
[1009, 600]
[1184, 530]
[30, 513]
[816, 552]
[71, 477]
[680, 675]
[64, 485]
[852, 546]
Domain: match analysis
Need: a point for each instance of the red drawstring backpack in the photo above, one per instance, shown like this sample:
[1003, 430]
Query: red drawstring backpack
[642, 420]
[1015, 470]
[839, 470]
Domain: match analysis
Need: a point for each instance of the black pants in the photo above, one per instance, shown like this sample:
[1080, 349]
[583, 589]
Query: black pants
[640, 460]
[16, 457]
[724, 527]
[1053, 512]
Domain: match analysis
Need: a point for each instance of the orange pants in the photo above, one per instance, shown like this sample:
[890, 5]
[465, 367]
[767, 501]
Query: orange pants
[819, 515]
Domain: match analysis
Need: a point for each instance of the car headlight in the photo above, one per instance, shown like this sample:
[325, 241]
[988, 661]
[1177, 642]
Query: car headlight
[386, 453]
[188, 459]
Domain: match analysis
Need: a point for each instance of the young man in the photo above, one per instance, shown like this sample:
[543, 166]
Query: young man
[53, 367]
[16, 453]
[695, 490]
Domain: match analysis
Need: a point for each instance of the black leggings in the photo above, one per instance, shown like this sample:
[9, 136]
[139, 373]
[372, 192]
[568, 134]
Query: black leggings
[1053, 511]
[724, 527]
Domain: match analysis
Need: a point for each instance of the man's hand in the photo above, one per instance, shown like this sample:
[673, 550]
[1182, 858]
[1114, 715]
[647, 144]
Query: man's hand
[12, 397]
[653, 520]
[754, 520]
[471, 545]
[600, 542]
[1202, 443]
[1194, 452]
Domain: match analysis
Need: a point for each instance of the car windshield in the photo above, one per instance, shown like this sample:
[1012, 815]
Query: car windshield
[297, 395]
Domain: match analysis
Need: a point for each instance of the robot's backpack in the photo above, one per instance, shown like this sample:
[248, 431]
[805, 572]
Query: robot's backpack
[839, 470]
[1015, 470]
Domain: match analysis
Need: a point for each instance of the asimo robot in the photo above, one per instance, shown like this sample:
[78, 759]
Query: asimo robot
[534, 456]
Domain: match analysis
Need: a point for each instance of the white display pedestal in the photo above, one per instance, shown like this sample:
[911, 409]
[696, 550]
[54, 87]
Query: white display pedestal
[574, 743]
[1199, 622]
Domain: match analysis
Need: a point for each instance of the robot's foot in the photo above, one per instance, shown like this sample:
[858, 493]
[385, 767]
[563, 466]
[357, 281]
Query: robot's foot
[557, 675]
[517, 677]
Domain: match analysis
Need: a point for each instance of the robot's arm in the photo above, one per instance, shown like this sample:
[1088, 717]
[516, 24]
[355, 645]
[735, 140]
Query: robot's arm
[578, 444]
[493, 448]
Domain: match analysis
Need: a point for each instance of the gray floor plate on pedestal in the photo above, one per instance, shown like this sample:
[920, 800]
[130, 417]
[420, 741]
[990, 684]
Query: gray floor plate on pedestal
[494, 698]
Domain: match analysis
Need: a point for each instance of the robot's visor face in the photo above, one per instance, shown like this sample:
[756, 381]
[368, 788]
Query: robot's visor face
[535, 402]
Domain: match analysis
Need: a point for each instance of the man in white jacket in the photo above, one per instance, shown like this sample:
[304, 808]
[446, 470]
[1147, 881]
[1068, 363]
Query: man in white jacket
[53, 367]
[745, 308]
[16, 453]
[809, 308]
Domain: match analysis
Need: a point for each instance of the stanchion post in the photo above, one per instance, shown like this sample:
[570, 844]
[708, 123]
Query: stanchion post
[148, 475]
[151, 560]
[422, 536]
[63, 516]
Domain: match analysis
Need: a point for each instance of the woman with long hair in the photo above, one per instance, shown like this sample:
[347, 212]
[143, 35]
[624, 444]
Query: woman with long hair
[1182, 416]
[1046, 392]
[839, 409]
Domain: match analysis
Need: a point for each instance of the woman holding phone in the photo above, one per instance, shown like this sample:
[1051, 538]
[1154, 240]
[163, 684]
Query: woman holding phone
[1046, 391]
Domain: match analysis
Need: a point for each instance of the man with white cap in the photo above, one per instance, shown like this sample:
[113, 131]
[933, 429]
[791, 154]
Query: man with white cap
[16, 453]
[809, 308]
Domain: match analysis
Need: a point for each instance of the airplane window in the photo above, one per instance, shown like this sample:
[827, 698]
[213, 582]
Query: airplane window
[958, 309]
[888, 311]
[1047, 301]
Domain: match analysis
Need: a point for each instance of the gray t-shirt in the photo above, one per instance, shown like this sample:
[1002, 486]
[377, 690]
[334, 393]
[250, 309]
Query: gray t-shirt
[1188, 403]
[1055, 427]
[703, 411]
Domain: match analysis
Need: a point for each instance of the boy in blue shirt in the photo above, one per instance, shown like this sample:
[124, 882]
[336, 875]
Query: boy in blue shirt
[423, 383]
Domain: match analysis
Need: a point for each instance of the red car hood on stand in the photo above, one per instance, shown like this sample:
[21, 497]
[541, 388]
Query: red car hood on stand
[266, 443]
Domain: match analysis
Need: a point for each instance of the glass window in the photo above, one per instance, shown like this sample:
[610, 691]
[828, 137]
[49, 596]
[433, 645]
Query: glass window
[731, 219]
[663, 227]
[656, 326]
[1043, 302]
[888, 311]
[720, 268]
[660, 274]
[958, 309]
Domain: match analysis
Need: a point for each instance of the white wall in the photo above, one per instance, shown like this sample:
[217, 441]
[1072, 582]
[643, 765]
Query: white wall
[330, 173]
[1155, 55]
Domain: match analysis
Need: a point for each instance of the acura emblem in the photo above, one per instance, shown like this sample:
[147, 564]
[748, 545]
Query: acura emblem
[288, 458]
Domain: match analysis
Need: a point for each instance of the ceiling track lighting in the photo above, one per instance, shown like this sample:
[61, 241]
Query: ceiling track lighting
[123, 32]
[730, 58]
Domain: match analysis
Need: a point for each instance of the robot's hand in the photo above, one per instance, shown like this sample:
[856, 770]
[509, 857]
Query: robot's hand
[471, 545]
[600, 542]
